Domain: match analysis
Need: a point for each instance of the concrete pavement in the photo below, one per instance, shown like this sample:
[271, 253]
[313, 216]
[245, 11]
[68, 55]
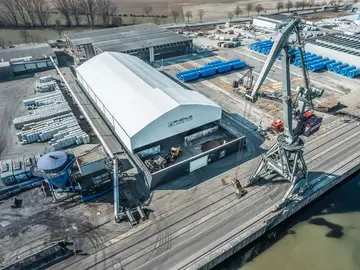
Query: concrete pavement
[193, 222]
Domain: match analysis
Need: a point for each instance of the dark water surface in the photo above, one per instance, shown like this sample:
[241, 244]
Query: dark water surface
[323, 236]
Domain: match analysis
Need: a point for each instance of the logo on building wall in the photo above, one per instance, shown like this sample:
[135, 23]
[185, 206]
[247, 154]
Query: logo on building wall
[180, 121]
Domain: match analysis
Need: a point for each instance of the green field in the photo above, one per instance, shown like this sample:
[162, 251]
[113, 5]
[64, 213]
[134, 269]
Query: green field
[13, 36]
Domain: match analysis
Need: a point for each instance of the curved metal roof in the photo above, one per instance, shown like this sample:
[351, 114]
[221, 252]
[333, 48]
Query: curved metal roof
[134, 92]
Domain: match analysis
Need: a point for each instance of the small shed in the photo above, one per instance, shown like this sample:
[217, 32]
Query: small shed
[90, 158]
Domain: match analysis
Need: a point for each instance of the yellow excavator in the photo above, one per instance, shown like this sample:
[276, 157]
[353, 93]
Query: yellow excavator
[173, 154]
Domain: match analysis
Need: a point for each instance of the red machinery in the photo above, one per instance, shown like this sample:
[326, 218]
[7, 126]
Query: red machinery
[312, 123]
[277, 125]
[181, 31]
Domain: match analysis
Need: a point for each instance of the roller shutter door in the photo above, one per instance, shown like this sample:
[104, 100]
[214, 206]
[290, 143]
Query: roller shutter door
[198, 163]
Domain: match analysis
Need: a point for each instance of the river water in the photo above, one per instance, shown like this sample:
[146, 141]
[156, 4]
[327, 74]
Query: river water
[323, 236]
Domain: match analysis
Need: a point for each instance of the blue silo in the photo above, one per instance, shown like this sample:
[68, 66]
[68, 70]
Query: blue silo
[56, 167]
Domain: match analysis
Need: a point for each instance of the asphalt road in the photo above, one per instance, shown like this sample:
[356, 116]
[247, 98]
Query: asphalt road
[184, 230]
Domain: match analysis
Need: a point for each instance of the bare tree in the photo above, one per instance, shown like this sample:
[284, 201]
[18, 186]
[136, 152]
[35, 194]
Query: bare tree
[2, 42]
[157, 19]
[106, 9]
[88, 8]
[25, 35]
[259, 8]
[133, 20]
[58, 27]
[75, 9]
[10, 12]
[19, 6]
[35, 38]
[117, 21]
[279, 5]
[355, 1]
[41, 9]
[324, 3]
[5, 18]
[30, 10]
[289, 5]
[249, 7]
[238, 11]
[175, 14]
[201, 14]
[304, 3]
[230, 15]
[311, 3]
[64, 8]
[188, 15]
[147, 9]
[332, 2]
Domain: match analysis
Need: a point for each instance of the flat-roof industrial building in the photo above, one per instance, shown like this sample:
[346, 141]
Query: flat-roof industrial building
[152, 114]
[146, 41]
[25, 58]
[272, 21]
[341, 47]
[143, 105]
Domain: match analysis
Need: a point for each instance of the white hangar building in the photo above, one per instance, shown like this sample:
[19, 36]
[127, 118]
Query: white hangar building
[143, 105]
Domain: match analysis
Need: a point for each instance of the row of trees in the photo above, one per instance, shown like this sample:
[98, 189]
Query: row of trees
[280, 5]
[37, 12]
[304, 3]
[188, 14]
[249, 7]
[237, 11]
[74, 9]
[24, 12]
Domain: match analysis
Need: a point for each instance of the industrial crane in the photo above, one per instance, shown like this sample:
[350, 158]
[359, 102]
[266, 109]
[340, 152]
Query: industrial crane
[285, 157]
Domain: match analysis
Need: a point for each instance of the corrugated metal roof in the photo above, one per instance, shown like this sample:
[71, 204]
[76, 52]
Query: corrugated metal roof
[345, 43]
[135, 93]
[121, 39]
[37, 51]
[276, 17]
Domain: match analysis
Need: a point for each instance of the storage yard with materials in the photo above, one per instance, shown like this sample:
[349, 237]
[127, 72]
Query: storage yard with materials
[180, 141]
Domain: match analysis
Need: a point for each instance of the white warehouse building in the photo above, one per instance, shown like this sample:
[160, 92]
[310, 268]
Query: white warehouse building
[272, 21]
[143, 105]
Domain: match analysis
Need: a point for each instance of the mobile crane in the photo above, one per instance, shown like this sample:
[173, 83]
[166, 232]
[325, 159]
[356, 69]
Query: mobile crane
[285, 157]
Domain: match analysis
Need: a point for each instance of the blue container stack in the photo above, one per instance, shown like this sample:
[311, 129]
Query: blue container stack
[188, 75]
[263, 47]
[353, 73]
[237, 64]
[337, 69]
[214, 63]
[206, 71]
[312, 61]
[223, 68]
[210, 69]
[345, 70]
